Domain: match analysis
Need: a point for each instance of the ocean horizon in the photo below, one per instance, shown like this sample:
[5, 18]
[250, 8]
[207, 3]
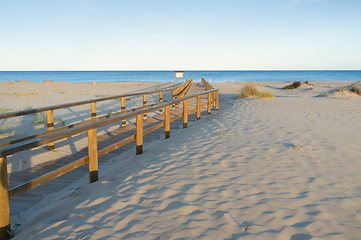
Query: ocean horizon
[169, 76]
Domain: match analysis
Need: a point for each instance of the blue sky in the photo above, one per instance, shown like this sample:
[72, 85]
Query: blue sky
[189, 35]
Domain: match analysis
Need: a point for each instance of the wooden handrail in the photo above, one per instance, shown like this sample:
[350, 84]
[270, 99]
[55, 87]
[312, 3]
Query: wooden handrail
[66, 105]
[50, 109]
[36, 142]
[215, 95]
[93, 152]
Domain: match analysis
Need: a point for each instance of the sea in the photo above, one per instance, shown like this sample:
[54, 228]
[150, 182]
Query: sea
[169, 76]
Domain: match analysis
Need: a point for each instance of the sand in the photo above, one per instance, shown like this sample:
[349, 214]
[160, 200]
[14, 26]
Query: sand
[280, 168]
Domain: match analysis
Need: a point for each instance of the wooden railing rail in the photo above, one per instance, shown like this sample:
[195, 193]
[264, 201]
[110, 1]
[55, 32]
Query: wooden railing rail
[66, 105]
[215, 95]
[50, 112]
[93, 152]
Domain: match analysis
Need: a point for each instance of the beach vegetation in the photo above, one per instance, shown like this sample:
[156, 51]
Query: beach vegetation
[294, 85]
[342, 90]
[19, 94]
[265, 94]
[102, 95]
[4, 110]
[248, 91]
[356, 89]
[246, 228]
[252, 91]
[6, 127]
[23, 81]
[48, 81]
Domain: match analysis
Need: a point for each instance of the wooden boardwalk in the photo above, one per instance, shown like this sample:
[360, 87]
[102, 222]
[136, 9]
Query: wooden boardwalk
[34, 196]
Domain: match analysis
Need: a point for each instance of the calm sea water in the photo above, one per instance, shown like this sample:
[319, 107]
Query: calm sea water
[168, 76]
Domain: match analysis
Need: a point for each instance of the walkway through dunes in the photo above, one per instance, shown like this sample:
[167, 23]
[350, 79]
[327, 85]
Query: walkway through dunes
[284, 168]
[76, 147]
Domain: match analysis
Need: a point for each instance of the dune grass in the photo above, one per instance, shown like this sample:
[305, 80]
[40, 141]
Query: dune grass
[248, 91]
[356, 89]
[294, 85]
[5, 126]
[102, 95]
[4, 110]
[265, 94]
[252, 91]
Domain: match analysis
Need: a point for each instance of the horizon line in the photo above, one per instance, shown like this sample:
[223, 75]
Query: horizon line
[201, 70]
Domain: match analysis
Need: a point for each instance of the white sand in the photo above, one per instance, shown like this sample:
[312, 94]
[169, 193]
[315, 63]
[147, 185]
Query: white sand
[288, 167]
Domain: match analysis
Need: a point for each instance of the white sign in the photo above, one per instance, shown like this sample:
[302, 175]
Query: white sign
[179, 74]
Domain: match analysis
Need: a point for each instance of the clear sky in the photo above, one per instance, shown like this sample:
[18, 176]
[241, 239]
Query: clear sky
[187, 34]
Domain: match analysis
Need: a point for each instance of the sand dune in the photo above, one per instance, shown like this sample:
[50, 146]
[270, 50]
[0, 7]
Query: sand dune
[281, 168]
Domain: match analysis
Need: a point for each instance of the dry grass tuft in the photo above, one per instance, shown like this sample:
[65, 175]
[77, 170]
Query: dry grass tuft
[252, 91]
[248, 91]
[342, 90]
[294, 85]
[265, 94]
[4, 110]
[356, 89]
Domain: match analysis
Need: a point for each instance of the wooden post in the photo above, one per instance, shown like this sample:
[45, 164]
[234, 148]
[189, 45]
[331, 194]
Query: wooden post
[160, 101]
[209, 104]
[167, 122]
[50, 127]
[139, 134]
[124, 122]
[185, 113]
[198, 107]
[4, 200]
[217, 99]
[145, 104]
[93, 155]
[93, 107]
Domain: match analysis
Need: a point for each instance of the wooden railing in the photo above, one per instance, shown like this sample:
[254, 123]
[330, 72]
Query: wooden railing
[215, 94]
[93, 152]
[177, 92]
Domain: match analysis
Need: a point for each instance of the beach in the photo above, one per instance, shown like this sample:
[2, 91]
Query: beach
[280, 168]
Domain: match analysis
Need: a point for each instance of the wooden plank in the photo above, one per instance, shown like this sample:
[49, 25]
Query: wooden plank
[50, 127]
[192, 111]
[167, 122]
[93, 155]
[153, 128]
[139, 134]
[4, 200]
[47, 177]
[115, 146]
[176, 117]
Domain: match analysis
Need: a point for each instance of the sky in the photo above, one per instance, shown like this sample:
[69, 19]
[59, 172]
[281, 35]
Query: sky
[185, 35]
